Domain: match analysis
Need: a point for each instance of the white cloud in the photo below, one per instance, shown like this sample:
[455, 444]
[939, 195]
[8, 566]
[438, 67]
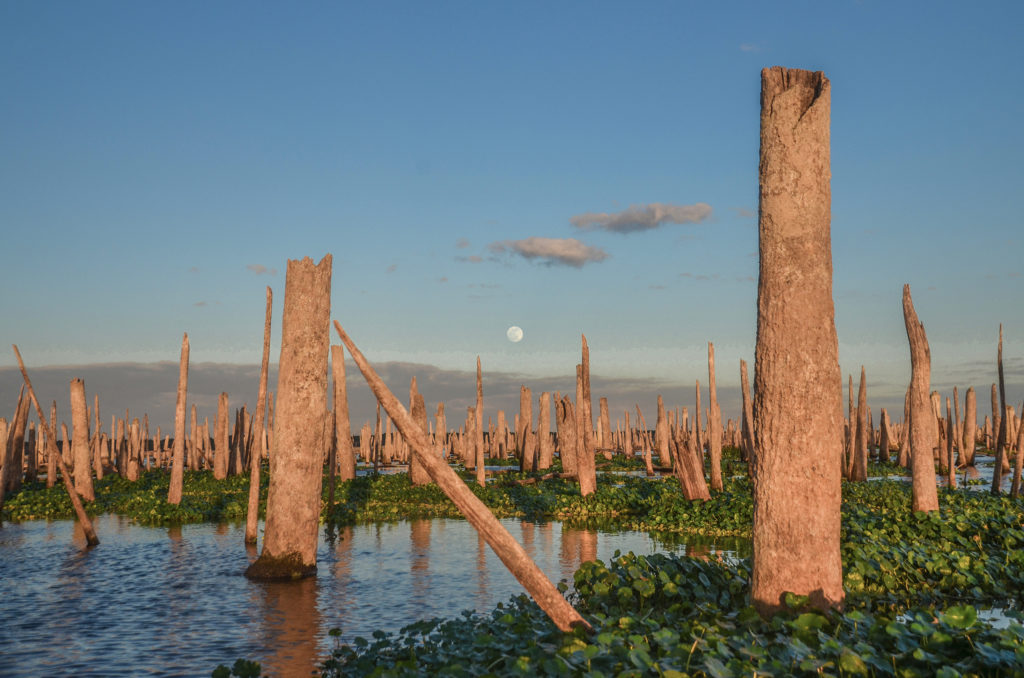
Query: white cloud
[260, 269]
[642, 217]
[551, 251]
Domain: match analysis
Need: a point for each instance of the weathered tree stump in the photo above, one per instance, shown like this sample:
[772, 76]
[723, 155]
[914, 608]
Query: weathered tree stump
[922, 418]
[296, 465]
[178, 455]
[798, 421]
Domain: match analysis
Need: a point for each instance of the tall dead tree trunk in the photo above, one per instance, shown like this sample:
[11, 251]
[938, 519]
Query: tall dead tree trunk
[545, 455]
[798, 420]
[922, 418]
[343, 426]
[221, 446]
[714, 425]
[178, 455]
[478, 433]
[1001, 437]
[748, 419]
[80, 441]
[565, 418]
[296, 465]
[860, 438]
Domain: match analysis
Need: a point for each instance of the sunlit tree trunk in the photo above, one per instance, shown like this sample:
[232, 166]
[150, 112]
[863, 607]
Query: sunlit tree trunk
[922, 423]
[178, 455]
[798, 420]
[296, 462]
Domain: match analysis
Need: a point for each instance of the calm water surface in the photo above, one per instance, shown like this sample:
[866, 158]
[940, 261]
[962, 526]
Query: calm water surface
[173, 601]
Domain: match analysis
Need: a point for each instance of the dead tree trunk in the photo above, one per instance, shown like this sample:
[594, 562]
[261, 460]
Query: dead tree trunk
[1001, 437]
[544, 431]
[798, 420]
[970, 427]
[343, 426]
[565, 418]
[922, 418]
[478, 432]
[90, 534]
[479, 516]
[178, 456]
[714, 425]
[80, 441]
[296, 465]
[748, 419]
[220, 444]
[860, 439]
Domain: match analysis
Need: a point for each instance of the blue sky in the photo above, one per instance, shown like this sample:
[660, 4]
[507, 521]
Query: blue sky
[159, 163]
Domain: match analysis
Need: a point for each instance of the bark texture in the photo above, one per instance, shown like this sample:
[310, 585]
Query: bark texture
[293, 499]
[922, 423]
[80, 441]
[253, 507]
[798, 419]
[178, 455]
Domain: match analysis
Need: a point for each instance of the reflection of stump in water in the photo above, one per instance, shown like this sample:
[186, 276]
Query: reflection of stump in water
[483, 597]
[419, 565]
[701, 551]
[526, 529]
[291, 625]
[578, 546]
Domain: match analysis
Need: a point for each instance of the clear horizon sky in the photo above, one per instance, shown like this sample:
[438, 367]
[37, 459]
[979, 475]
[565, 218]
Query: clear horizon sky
[564, 167]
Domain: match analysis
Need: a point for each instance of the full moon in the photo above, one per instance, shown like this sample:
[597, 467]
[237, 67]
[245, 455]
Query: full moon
[514, 334]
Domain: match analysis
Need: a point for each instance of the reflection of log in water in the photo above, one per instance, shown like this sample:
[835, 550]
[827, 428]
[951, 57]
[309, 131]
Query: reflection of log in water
[292, 622]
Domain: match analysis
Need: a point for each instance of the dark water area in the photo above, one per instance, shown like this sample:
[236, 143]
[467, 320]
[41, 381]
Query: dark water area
[173, 602]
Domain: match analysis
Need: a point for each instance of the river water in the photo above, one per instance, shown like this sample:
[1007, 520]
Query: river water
[173, 602]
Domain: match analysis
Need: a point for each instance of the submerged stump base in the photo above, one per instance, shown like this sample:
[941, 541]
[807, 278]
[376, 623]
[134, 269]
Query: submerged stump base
[288, 567]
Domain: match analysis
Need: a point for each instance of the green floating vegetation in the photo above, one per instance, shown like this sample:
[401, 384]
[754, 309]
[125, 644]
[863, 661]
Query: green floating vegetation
[663, 615]
[204, 499]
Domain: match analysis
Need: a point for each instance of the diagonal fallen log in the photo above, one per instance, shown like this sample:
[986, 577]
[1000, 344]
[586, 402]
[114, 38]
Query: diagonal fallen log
[51, 441]
[479, 516]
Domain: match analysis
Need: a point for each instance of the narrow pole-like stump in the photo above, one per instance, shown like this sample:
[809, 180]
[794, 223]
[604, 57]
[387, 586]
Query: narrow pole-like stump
[798, 419]
[293, 499]
[221, 451]
[478, 432]
[511, 553]
[922, 422]
[970, 427]
[714, 425]
[178, 455]
[860, 437]
[342, 424]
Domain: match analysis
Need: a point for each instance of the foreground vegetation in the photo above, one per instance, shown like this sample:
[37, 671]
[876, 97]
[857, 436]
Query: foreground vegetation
[915, 583]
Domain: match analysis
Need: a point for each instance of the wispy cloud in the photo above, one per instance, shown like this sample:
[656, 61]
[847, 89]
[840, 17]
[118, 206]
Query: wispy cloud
[392, 268]
[642, 217]
[749, 47]
[193, 269]
[471, 259]
[462, 243]
[260, 269]
[551, 251]
[200, 303]
[744, 212]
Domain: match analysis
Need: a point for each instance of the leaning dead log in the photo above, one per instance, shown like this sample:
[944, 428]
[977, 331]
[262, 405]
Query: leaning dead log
[90, 534]
[511, 553]
[798, 420]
